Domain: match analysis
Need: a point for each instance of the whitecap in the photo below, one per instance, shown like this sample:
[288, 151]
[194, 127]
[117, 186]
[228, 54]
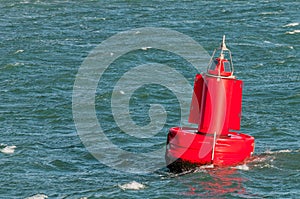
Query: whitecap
[285, 151]
[280, 151]
[291, 24]
[209, 166]
[8, 149]
[146, 48]
[243, 167]
[37, 196]
[270, 13]
[14, 64]
[132, 186]
[293, 32]
[19, 51]
[267, 42]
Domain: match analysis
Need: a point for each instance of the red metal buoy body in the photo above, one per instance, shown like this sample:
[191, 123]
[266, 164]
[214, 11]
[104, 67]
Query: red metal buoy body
[216, 109]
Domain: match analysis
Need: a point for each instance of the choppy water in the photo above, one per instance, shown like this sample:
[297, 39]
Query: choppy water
[42, 46]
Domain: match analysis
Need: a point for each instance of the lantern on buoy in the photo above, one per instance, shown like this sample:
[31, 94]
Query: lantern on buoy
[216, 109]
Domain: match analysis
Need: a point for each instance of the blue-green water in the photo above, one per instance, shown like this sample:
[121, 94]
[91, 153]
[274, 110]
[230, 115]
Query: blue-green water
[42, 46]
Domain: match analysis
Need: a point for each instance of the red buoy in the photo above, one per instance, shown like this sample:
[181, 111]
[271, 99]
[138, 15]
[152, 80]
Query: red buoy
[216, 109]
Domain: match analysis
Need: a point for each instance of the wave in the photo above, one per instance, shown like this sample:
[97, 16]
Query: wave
[243, 167]
[291, 24]
[263, 160]
[132, 186]
[19, 51]
[8, 149]
[37, 196]
[281, 151]
[293, 32]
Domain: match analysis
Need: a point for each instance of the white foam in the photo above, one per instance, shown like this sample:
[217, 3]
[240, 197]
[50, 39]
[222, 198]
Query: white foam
[293, 32]
[37, 196]
[19, 51]
[209, 166]
[146, 48]
[243, 167]
[285, 151]
[270, 13]
[291, 24]
[122, 92]
[17, 64]
[280, 151]
[8, 149]
[132, 186]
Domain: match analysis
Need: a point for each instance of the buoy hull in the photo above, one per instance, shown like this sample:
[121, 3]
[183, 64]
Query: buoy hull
[216, 108]
[186, 149]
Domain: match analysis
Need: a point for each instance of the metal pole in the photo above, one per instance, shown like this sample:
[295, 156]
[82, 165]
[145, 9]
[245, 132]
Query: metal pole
[214, 144]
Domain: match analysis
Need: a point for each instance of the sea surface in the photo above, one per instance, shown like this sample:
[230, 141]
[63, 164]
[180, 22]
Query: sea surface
[43, 46]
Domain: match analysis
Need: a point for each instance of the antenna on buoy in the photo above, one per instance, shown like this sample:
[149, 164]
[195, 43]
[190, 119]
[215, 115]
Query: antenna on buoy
[223, 45]
[223, 48]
